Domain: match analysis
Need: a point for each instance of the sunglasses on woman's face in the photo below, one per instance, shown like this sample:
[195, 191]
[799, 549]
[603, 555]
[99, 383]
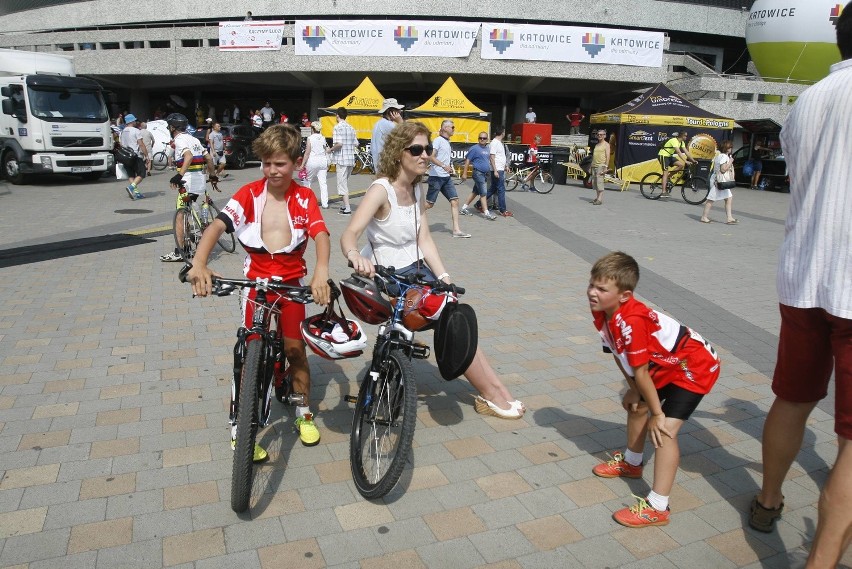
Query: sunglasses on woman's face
[417, 149]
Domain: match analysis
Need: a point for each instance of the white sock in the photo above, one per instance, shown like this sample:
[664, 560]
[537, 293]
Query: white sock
[659, 503]
[302, 411]
[633, 458]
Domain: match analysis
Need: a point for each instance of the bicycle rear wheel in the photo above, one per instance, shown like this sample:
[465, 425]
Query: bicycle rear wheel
[241, 475]
[226, 241]
[511, 181]
[358, 167]
[695, 193]
[546, 183]
[187, 232]
[383, 427]
[651, 185]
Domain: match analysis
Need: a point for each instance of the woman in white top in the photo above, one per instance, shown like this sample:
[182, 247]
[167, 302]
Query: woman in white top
[723, 170]
[316, 161]
[393, 214]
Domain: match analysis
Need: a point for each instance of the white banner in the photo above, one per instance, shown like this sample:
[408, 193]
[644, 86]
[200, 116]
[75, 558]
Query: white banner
[575, 44]
[399, 38]
[250, 36]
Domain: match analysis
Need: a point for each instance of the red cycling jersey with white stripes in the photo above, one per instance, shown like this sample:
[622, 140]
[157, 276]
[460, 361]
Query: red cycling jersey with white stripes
[242, 216]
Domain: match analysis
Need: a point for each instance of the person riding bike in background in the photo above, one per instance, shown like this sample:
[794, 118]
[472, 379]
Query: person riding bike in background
[673, 157]
[190, 160]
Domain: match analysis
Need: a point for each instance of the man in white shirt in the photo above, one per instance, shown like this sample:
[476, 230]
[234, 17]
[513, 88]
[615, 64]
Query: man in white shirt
[814, 276]
[131, 138]
[530, 116]
[440, 171]
[499, 168]
[391, 116]
[267, 113]
[344, 140]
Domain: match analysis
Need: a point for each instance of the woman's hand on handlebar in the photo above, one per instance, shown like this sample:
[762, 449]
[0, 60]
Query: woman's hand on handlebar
[361, 264]
[201, 278]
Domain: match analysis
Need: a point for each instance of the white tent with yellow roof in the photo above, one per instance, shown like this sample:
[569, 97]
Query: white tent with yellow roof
[362, 106]
[449, 102]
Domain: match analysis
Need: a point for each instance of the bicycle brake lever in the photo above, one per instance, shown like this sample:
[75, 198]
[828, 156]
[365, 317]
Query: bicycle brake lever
[225, 290]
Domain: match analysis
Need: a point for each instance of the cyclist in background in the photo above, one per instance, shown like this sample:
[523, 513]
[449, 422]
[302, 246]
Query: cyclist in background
[673, 157]
[531, 162]
[190, 160]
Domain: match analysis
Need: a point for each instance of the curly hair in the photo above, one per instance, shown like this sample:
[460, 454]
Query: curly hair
[620, 267]
[279, 138]
[395, 143]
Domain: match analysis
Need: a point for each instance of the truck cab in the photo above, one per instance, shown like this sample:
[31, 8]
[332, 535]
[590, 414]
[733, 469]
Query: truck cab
[761, 141]
[51, 122]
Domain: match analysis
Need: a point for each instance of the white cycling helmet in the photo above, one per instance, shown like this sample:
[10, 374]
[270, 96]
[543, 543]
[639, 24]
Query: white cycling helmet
[334, 337]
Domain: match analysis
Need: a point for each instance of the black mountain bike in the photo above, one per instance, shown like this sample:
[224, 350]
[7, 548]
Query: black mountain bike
[694, 189]
[258, 352]
[386, 406]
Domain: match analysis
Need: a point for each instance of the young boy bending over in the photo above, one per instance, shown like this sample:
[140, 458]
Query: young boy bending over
[668, 367]
[273, 219]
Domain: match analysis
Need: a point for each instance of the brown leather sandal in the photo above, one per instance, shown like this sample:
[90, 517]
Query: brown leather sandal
[762, 518]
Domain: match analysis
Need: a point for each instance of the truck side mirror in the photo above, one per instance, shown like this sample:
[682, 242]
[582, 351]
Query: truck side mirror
[15, 109]
[5, 91]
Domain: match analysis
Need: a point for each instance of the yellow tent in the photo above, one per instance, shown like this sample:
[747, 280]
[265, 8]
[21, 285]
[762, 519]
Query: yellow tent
[449, 102]
[363, 106]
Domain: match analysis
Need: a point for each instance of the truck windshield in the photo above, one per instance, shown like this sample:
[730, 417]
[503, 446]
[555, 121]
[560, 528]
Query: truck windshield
[63, 104]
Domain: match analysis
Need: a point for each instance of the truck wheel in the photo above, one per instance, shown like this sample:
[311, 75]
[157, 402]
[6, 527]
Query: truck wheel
[12, 170]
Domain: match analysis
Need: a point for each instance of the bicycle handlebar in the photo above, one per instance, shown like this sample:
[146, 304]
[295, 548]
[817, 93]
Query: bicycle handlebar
[224, 287]
[389, 273]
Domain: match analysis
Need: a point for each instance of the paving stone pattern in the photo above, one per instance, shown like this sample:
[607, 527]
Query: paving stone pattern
[114, 385]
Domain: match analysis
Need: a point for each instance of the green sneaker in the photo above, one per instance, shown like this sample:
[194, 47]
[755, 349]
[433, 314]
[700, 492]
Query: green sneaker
[308, 432]
[260, 455]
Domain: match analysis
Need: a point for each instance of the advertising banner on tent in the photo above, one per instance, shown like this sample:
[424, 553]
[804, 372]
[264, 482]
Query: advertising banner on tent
[639, 145]
[250, 36]
[397, 38]
[576, 44]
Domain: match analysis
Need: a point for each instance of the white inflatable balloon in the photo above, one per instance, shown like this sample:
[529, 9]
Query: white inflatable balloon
[793, 40]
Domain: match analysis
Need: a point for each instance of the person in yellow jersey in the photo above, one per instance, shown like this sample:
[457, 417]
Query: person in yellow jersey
[673, 157]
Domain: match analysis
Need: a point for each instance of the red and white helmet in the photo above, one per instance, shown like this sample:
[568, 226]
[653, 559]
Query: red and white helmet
[334, 337]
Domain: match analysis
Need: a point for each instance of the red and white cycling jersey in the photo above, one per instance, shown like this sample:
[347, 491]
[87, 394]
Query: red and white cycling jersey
[242, 216]
[638, 335]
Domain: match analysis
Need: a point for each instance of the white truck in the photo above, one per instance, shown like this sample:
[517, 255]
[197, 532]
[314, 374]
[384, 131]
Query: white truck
[52, 121]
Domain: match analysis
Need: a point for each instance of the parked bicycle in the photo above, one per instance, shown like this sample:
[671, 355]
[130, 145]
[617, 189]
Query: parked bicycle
[189, 223]
[363, 161]
[386, 406]
[694, 189]
[541, 181]
[160, 160]
[259, 370]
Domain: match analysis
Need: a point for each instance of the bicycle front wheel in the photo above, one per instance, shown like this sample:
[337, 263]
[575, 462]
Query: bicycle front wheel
[241, 476]
[358, 167]
[651, 185]
[226, 241]
[695, 193]
[546, 183]
[187, 232]
[383, 427]
[159, 161]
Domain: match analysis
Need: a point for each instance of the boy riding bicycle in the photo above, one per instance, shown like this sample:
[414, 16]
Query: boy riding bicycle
[668, 367]
[673, 157]
[531, 162]
[273, 219]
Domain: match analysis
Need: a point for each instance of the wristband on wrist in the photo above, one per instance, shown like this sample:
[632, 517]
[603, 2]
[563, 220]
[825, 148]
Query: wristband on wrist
[442, 276]
[349, 251]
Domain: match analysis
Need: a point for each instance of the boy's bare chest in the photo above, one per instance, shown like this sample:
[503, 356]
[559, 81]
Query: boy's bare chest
[275, 225]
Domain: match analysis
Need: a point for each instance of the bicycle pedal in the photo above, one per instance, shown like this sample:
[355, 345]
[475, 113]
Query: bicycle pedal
[350, 398]
[420, 351]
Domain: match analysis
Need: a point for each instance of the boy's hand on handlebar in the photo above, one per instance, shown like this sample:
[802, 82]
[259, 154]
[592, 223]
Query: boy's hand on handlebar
[320, 291]
[201, 278]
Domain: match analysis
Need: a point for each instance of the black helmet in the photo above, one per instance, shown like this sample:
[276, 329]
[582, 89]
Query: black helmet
[177, 121]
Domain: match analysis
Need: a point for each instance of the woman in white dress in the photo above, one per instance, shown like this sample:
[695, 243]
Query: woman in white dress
[316, 161]
[723, 170]
[393, 215]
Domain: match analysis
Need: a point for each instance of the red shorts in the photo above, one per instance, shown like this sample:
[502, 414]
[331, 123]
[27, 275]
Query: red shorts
[290, 318]
[812, 343]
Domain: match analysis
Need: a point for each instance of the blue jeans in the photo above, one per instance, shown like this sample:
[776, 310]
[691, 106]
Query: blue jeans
[480, 183]
[498, 186]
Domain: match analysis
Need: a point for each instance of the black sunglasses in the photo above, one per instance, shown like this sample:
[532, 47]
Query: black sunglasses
[417, 149]
[483, 138]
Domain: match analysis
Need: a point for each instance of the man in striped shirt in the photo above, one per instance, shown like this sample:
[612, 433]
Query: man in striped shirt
[815, 293]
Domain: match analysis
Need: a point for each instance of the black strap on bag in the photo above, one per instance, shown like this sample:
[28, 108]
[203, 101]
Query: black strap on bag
[124, 155]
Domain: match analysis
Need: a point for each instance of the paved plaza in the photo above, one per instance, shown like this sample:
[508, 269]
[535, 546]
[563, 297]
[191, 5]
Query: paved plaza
[114, 446]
